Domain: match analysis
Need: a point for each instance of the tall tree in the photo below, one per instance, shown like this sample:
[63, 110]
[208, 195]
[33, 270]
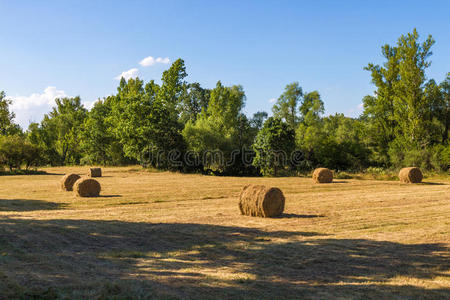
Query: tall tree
[194, 102]
[411, 104]
[401, 114]
[173, 88]
[99, 144]
[62, 129]
[286, 106]
[221, 126]
[258, 119]
[443, 108]
[379, 109]
[312, 107]
[273, 146]
[7, 125]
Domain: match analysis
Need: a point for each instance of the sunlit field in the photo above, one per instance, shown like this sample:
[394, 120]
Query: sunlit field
[169, 235]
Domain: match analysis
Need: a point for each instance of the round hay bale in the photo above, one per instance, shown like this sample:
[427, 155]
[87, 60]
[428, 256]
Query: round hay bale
[261, 201]
[322, 175]
[95, 172]
[410, 175]
[87, 187]
[68, 181]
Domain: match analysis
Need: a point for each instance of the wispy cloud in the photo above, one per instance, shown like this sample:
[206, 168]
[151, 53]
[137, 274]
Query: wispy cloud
[272, 100]
[131, 73]
[150, 61]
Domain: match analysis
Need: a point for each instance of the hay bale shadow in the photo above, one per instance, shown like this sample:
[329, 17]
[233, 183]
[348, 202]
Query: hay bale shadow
[300, 216]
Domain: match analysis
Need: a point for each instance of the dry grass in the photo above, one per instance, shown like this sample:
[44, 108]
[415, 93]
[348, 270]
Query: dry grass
[166, 235]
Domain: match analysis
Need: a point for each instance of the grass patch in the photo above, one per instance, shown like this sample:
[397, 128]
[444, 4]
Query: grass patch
[378, 239]
[22, 172]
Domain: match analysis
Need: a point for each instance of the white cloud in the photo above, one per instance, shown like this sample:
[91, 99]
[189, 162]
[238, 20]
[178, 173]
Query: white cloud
[44, 99]
[32, 108]
[272, 100]
[150, 61]
[131, 73]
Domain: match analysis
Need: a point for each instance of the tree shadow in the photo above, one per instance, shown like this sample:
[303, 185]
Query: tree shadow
[210, 261]
[28, 205]
[339, 181]
[108, 196]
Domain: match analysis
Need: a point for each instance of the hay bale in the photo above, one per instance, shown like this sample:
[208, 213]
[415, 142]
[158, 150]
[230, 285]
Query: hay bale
[95, 172]
[410, 175]
[322, 175]
[87, 187]
[261, 201]
[68, 181]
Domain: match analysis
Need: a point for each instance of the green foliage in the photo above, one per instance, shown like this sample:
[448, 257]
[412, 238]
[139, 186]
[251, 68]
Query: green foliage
[333, 142]
[59, 133]
[146, 119]
[286, 106]
[195, 100]
[408, 115]
[405, 122]
[15, 152]
[99, 145]
[221, 128]
[7, 126]
[273, 146]
[258, 119]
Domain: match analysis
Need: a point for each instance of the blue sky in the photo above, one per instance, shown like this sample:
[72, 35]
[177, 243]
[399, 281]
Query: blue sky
[55, 48]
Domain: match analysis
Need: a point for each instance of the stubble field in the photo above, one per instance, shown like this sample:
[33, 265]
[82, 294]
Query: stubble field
[168, 235]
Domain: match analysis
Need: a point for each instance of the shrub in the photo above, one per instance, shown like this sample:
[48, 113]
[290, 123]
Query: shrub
[15, 152]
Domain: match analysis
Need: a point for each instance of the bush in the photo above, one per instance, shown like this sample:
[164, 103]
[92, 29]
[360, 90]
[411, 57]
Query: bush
[15, 152]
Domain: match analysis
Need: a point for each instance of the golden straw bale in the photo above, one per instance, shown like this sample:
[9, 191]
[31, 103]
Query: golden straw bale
[322, 175]
[410, 175]
[87, 187]
[261, 201]
[95, 172]
[68, 181]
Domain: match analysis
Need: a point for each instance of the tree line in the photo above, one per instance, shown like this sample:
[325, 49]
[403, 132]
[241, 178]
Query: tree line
[165, 126]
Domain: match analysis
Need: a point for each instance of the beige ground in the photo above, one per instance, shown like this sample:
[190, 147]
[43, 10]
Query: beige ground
[169, 235]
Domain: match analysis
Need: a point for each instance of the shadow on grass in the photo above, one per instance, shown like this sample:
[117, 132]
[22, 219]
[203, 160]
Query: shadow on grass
[300, 216]
[28, 205]
[108, 196]
[431, 183]
[82, 258]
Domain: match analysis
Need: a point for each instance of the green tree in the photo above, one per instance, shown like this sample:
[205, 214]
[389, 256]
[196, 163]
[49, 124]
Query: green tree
[7, 126]
[130, 111]
[286, 106]
[173, 88]
[145, 123]
[442, 108]
[379, 112]
[311, 108]
[194, 102]
[61, 130]
[99, 144]
[222, 127]
[258, 119]
[405, 114]
[273, 146]
[15, 151]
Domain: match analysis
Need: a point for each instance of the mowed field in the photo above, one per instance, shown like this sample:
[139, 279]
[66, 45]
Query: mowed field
[169, 235]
